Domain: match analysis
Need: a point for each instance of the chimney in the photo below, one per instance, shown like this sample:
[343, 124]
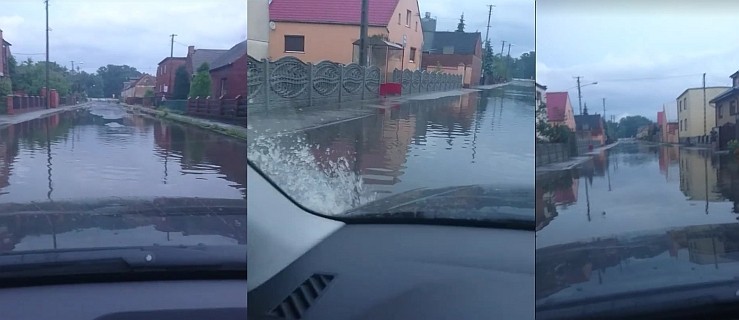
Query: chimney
[428, 15]
[190, 50]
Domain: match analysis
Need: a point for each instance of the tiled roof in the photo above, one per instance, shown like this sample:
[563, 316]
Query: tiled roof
[557, 105]
[463, 42]
[208, 56]
[332, 11]
[236, 52]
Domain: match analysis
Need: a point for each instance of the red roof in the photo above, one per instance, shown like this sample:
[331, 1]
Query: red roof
[332, 11]
[557, 105]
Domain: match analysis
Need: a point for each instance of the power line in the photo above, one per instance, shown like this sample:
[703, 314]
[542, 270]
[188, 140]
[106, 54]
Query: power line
[652, 78]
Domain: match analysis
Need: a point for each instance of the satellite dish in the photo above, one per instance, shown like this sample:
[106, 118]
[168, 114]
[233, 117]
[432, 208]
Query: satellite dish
[272, 25]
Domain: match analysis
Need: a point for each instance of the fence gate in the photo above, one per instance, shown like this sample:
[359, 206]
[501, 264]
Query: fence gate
[726, 133]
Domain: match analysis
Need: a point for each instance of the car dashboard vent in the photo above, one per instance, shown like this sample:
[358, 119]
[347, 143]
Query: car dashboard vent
[303, 297]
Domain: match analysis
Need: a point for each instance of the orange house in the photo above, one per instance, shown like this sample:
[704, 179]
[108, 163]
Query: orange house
[317, 30]
[559, 109]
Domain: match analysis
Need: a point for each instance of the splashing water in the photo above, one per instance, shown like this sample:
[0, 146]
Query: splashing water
[331, 187]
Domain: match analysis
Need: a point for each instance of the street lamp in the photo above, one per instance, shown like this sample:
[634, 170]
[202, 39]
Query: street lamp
[579, 95]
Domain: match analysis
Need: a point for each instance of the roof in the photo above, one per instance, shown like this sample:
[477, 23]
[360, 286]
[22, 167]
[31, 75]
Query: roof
[208, 56]
[701, 88]
[734, 74]
[377, 42]
[171, 58]
[463, 42]
[538, 85]
[6, 42]
[731, 92]
[557, 105]
[233, 54]
[593, 121]
[331, 11]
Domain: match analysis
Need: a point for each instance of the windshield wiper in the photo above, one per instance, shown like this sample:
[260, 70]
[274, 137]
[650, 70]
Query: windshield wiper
[75, 262]
[509, 221]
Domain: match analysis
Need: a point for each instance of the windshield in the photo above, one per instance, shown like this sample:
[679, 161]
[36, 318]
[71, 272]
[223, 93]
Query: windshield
[636, 188]
[110, 153]
[351, 139]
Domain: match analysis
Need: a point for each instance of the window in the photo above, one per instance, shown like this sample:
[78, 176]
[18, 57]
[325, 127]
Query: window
[412, 55]
[447, 50]
[223, 87]
[164, 69]
[294, 43]
[408, 18]
[686, 124]
[416, 25]
[732, 107]
[719, 111]
[398, 18]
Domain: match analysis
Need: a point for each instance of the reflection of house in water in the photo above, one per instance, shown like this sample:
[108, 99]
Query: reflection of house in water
[698, 176]
[668, 156]
[553, 190]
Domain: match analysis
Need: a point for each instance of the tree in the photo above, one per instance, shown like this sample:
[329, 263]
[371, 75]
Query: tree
[460, 26]
[488, 60]
[113, 77]
[200, 86]
[629, 126]
[6, 88]
[181, 83]
[30, 77]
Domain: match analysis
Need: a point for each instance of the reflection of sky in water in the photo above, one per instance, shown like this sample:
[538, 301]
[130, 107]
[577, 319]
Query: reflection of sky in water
[98, 158]
[642, 197]
[138, 236]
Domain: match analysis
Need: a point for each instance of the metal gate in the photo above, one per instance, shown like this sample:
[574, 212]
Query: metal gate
[726, 133]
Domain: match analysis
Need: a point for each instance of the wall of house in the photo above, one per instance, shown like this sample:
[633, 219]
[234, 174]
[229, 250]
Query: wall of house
[235, 75]
[2, 55]
[413, 31]
[331, 42]
[257, 28]
[690, 111]
[723, 112]
[697, 180]
[166, 76]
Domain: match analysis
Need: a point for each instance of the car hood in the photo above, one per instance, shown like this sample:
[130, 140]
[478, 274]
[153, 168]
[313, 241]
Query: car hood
[476, 202]
[118, 222]
[636, 262]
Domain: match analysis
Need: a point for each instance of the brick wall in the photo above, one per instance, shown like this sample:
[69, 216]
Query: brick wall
[235, 79]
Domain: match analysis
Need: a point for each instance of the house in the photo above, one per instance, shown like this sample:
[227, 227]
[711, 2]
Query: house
[456, 53]
[695, 124]
[228, 73]
[137, 88]
[196, 57]
[668, 130]
[257, 33]
[4, 56]
[166, 75]
[559, 110]
[590, 129]
[541, 94]
[725, 107]
[316, 30]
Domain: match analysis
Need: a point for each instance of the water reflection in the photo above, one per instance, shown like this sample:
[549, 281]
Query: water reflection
[474, 139]
[634, 187]
[104, 151]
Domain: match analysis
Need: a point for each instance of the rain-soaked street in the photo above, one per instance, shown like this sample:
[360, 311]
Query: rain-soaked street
[479, 138]
[102, 151]
[636, 187]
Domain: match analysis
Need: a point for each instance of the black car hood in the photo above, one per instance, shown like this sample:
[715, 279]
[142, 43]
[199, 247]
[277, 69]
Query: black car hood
[477, 202]
[638, 262]
[118, 222]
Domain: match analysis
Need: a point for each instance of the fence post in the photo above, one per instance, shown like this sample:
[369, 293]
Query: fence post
[341, 81]
[364, 80]
[266, 87]
[310, 84]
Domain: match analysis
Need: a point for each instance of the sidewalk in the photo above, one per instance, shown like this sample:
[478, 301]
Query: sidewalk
[6, 120]
[230, 130]
[574, 161]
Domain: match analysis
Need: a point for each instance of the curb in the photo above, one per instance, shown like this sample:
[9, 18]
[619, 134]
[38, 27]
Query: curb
[182, 119]
[46, 114]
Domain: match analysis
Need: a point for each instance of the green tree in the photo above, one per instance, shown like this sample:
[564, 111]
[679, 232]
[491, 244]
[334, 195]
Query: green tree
[200, 86]
[181, 83]
[30, 77]
[460, 26]
[6, 88]
[113, 77]
[12, 66]
[488, 60]
[629, 126]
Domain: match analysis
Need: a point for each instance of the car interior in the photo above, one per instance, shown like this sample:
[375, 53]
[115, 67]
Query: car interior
[309, 266]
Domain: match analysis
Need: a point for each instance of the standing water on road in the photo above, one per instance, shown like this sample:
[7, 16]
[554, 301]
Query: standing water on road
[480, 138]
[636, 188]
[103, 151]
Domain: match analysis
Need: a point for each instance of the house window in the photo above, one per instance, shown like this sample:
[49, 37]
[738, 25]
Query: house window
[398, 18]
[223, 87]
[416, 25]
[164, 69]
[448, 50]
[732, 107]
[719, 111]
[412, 55]
[686, 124]
[294, 43]
[408, 18]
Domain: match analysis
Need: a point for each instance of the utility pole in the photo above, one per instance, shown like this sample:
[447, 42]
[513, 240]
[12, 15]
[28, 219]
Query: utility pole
[508, 61]
[579, 95]
[704, 106]
[363, 34]
[72, 65]
[490, 13]
[47, 55]
[502, 47]
[171, 45]
[604, 116]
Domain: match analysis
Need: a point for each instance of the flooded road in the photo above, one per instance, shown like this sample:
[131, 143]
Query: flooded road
[483, 137]
[636, 187]
[102, 151]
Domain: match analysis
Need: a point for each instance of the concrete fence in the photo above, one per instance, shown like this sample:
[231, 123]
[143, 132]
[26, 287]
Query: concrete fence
[289, 82]
[547, 153]
[221, 108]
[423, 81]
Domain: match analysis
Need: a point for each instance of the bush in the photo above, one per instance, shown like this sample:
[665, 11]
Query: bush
[733, 146]
[6, 88]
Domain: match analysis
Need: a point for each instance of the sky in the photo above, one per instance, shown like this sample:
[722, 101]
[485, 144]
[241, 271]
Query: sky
[642, 54]
[511, 20]
[131, 32]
